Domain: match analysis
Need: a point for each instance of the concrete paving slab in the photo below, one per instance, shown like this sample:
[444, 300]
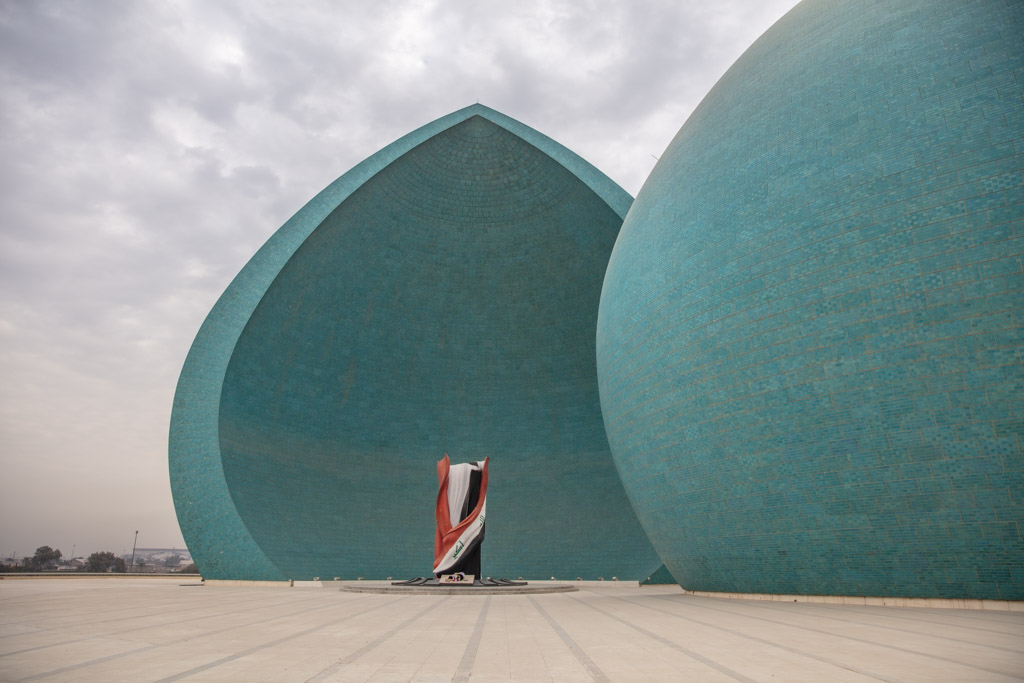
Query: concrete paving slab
[140, 629]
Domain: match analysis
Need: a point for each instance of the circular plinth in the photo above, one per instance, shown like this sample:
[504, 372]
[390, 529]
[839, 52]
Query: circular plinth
[462, 590]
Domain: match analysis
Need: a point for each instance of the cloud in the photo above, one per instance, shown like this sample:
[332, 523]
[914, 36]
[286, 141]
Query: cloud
[148, 150]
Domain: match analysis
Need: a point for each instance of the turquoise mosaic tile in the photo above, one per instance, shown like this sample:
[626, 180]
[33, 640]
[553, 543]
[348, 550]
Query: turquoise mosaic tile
[811, 332]
[441, 297]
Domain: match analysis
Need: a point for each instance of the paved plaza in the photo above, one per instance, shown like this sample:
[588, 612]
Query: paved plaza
[133, 629]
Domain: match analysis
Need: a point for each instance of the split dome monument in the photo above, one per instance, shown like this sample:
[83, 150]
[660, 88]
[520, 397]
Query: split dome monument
[807, 359]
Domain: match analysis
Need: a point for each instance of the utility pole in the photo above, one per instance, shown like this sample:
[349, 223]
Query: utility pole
[131, 567]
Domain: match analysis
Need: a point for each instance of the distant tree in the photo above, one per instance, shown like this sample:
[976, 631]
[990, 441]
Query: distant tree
[190, 569]
[45, 558]
[105, 561]
[172, 561]
[15, 566]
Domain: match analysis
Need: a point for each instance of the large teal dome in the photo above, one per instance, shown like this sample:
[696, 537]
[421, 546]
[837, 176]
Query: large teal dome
[811, 332]
[441, 297]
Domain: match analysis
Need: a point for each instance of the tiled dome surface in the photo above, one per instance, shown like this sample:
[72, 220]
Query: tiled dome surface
[811, 334]
[446, 303]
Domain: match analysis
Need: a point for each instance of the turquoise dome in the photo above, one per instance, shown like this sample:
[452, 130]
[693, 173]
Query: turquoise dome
[811, 331]
[440, 297]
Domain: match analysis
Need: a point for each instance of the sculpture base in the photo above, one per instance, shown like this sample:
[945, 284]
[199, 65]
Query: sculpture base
[432, 581]
[431, 586]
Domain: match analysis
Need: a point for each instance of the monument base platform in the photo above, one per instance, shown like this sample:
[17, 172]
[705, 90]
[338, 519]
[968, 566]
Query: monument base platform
[431, 586]
[478, 583]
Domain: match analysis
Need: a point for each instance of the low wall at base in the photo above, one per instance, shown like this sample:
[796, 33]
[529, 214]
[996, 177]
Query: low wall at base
[943, 603]
[19, 576]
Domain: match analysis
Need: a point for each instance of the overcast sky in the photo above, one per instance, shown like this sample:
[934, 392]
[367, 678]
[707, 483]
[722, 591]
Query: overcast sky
[147, 149]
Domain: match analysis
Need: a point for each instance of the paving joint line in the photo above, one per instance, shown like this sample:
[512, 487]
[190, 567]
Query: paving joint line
[584, 659]
[469, 656]
[770, 643]
[1017, 651]
[133, 630]
[860, 640]
[958, 615]
[353, 656]
[676, 646]
[244, 653]
[100, 660]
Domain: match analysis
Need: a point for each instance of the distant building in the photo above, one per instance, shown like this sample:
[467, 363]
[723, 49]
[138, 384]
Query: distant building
[159, 560]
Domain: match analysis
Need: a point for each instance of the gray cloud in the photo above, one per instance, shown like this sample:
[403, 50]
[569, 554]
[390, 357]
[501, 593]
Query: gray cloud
[148, 149]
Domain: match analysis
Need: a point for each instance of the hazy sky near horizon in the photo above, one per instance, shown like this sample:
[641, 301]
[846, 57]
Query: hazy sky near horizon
[148, 149]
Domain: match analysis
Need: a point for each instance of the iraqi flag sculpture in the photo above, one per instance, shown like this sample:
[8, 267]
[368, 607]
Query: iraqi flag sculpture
[460, 512]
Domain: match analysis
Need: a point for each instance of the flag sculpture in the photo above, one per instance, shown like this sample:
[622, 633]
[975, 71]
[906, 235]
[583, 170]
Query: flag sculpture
[461, 511]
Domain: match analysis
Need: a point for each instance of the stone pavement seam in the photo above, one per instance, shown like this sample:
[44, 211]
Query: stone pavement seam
[843, 636]
[469, 656]
[57, 607]
[675, 646]
[135, 629]
[303, 611]
[581, 656]
[353, 656]
[159, 612]
[43, 647]
[1016, 651]
[100, 660]
[764, 641]
[954, 617]
[239, 655]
